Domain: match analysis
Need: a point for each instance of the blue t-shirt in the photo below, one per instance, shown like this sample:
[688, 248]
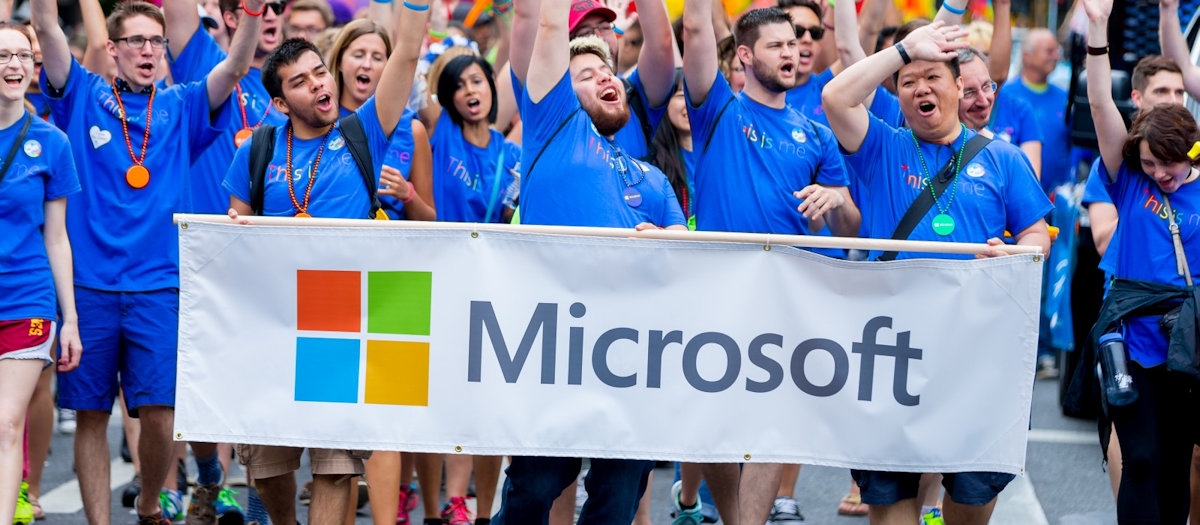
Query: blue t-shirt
[1049, 107]
[578, 180]
[632, 137]
[399, 155]
[757, 157]
[42, 170]
[203, 192]
[338, 191]
[122, 237]
[994, 192]
[1014, 122]
[41, 104]
[1150, 253]
[1095, 191]
[466, 176]
[806, 97]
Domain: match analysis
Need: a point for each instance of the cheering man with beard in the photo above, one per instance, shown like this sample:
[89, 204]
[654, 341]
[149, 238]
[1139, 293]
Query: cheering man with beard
[576, 174]
[999, 192]
[772, 171]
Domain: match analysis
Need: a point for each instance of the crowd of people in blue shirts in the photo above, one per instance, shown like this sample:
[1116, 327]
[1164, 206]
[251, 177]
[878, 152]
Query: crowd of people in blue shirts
[558, 113]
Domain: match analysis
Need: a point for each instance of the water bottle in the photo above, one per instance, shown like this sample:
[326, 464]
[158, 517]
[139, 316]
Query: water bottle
[1118, 385]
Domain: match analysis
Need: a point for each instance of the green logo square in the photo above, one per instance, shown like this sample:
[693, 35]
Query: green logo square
[398, 302]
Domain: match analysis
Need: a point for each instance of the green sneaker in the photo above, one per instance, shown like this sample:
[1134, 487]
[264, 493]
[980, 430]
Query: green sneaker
[24, 513]
[171, 502]
[933, 517]
[229, 512]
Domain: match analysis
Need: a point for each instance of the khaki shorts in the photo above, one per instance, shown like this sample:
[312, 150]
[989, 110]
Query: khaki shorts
[263, 461]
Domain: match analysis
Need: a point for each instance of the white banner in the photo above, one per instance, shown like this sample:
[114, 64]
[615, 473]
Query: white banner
[486, 342]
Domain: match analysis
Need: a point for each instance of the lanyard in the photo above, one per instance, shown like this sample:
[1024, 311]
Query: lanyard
[12, 152]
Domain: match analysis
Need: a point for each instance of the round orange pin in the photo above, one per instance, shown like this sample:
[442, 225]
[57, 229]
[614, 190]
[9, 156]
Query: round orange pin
[241, 136]
[137, 177]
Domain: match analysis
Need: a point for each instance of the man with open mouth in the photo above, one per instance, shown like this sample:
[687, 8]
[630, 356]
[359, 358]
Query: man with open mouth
[973, 190]
[577, 173]
[132, 142]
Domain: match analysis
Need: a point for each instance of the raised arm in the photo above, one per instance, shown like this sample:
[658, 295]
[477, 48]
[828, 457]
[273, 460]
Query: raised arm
[844, 95]
[1000, 50]
[870, 23]
[700, 50]
[397, 79]
[95, 55]
[1170, 36]
[503, 11]
[720, 21]
[656, 64]
[951, 12]
[551, 50]
[1110, 127]
[849, 48]
[524, 33]
[183, 21]
[56, 53]
[223, 78]
[380, 11]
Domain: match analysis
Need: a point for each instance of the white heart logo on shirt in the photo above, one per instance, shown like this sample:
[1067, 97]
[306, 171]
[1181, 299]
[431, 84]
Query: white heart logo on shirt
[99, 136]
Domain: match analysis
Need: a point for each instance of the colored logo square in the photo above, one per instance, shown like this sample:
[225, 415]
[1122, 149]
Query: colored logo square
[398, 302]
[328, 301]
[327, 369]
[397, 373]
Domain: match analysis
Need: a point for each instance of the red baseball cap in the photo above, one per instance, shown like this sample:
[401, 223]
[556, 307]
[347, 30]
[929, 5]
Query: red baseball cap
[582, 8]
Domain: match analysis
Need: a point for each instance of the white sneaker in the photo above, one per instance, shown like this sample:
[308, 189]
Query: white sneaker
[785, 511]
[66, 421]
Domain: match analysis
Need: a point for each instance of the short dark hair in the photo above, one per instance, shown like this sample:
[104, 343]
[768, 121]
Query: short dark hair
[447, 84]
[129, 9]
[810, 4]
[1170, 131]
[1150, 66]
[884, 34]
[286, 54]
[745, 33]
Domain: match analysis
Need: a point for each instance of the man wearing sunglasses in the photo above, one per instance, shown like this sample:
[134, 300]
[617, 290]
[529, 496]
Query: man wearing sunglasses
[132, 141]
[193, 53]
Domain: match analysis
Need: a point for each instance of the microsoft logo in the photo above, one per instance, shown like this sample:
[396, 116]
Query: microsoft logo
[329, 363]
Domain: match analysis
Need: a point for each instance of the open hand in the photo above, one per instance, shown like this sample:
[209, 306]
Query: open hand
[936, 42]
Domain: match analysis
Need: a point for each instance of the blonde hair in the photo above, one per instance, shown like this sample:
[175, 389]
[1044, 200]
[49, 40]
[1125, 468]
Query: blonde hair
[591, 44]
[979, 34]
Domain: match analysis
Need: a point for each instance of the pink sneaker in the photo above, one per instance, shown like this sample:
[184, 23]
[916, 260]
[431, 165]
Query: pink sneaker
[408, 502]
[457, 513]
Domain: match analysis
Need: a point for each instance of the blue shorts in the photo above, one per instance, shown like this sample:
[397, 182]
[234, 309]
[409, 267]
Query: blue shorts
[130, 338]
[964, 488]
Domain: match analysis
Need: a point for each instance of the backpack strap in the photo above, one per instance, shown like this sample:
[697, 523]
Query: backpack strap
[356, 141]
[262, 147]
[924, 201]
[561, 125]
[708, 140]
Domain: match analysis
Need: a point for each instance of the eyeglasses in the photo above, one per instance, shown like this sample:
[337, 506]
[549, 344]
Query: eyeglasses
[986, 89]
[277, 7]
[302, 30]
[601, 29]
[139, 41]
[817, 32]
[23, 56]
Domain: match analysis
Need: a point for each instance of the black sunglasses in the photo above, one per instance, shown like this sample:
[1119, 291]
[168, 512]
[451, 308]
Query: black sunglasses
[817, 32]
[277, 7]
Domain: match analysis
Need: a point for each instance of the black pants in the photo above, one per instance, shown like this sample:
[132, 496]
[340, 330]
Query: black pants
[1157, 432]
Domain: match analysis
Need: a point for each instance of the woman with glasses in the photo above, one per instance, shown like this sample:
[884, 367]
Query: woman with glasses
[36, 175]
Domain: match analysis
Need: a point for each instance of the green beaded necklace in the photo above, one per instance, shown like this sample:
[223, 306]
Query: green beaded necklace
[943, 223]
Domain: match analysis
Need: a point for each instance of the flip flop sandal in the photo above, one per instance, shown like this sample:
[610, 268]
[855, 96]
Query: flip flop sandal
[852, 505]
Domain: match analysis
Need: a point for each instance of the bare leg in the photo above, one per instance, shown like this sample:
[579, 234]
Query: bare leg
[723, 480]
[383, 484]
[352, 498]
[1194, 514]
[330, 499]
[458, 475]
[18, 378]
[429, 476]
[787, 484]
[41, 429]
[756, 492]
[1114, 466]
[690, 477]
[929, 492]
[157, 453]
[133, 434]
[92, 465]
[279, 497]
[903, 512]
[487, 479]
[960, 514]
[563, 510]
